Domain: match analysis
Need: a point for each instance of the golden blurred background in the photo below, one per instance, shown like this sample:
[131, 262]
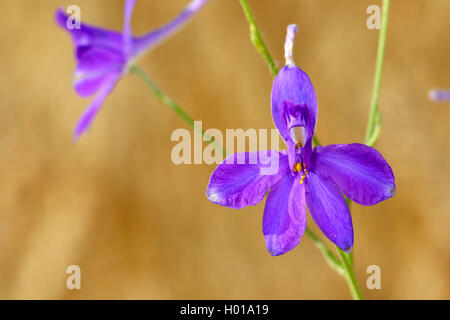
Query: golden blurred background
[141, 227]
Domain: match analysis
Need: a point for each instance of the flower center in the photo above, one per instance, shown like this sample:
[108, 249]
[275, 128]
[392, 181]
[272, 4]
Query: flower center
[298, 167]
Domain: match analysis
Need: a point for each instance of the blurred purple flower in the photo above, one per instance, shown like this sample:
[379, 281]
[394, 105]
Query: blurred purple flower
[104, 56]
[439, 95]
[315, 177]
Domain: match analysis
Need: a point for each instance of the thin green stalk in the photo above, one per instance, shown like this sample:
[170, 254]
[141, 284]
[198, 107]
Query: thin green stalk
[349, 274]
[372, 133]
[257, 39]
[161, 96]
[374, 122]
[173, 105]
[330, 258]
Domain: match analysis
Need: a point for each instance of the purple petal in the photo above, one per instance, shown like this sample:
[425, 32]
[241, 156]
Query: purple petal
[88, 36]
[94, 68]
[284, 219]
[237, 183]
[98, 53]
[293, 156]
[292, 86]
[329, 210]
[87, 86]
[127, 34]
[146, 42]
[360, 171]
[89, 115]
[97, 59]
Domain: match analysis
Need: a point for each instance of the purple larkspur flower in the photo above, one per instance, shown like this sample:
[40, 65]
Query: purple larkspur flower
[306, 176]
[104, 56]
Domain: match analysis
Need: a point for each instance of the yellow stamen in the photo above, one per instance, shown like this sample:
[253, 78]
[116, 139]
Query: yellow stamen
[302, 179]
[297, 167]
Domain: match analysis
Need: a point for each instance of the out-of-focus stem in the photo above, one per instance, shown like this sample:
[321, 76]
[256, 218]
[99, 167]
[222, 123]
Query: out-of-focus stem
[176, 107]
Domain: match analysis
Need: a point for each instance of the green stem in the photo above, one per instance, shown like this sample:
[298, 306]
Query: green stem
[330, 258]
[161, 96]
[372, 133]
[374, 122]
[173, 105]
[257, 39]
[349, 274]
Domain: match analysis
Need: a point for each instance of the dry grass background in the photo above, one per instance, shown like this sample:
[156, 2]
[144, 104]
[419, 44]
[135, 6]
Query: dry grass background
[141, 227]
